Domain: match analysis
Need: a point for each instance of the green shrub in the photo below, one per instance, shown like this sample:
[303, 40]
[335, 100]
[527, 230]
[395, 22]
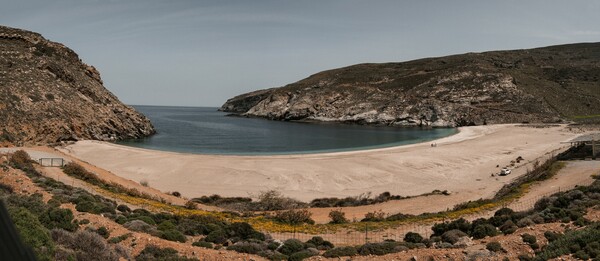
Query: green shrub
[291, 246]
[33, 203]
[102, 231]
[115, 240]
[337, 217]
[121, 220]
[320, 243]
[460, 224]
[504, 212]
[216, 236]
[551, 236]
[484, 230]
[33, 233]
[152, 252]
[58, 218]
[302, 255]
[379, 249]
[123, 208]
[203, 244]
[586, 240]
[273, 255]
[494, 246]
[244, 231]
[273, 245]
[340, 251]
[529, 239]
[508, 227]
[146, 219]
[192, 227]
[166, 225]
[413, 237]
[172, 235]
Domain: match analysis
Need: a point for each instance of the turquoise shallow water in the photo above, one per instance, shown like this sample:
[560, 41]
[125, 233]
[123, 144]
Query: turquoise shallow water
[204, 130]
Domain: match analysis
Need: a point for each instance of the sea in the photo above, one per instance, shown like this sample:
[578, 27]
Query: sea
[205, 130]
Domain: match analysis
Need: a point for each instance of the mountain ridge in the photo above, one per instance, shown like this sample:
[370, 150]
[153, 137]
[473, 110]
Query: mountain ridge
[49, 95]
[547, 84]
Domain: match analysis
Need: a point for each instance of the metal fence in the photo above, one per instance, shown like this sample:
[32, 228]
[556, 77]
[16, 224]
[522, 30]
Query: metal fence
[52, 162]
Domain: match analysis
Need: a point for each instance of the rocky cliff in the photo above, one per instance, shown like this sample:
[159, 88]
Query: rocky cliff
[47, 95]
[538, 85]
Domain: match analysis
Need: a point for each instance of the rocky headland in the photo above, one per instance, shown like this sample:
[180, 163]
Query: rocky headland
[550, 84]
[48, 95]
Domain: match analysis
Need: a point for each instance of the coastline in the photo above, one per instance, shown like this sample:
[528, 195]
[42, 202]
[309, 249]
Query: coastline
[461, 163]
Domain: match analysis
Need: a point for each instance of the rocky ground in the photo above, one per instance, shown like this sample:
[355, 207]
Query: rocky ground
[48, 95]
[135, 243]
[538, 85]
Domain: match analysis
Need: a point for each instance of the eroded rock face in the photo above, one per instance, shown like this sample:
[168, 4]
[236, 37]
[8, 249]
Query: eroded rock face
[47, 95]
[538, 85]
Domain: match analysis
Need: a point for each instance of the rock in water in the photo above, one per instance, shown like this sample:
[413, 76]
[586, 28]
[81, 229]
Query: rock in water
[48, 95]
[547, 84]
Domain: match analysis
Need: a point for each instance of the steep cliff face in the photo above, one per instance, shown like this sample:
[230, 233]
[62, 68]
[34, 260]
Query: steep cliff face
[538, 85]
[47, 95]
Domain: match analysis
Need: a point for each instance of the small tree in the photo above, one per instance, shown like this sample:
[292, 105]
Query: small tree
[338, 217]
[374, 216]
[413, 237]
[294, 217]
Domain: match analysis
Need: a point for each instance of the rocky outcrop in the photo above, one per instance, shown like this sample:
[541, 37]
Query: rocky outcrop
[539, 85]
[48, 95]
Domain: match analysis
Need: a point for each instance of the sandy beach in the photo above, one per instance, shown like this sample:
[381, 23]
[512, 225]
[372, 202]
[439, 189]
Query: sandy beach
[462, 164]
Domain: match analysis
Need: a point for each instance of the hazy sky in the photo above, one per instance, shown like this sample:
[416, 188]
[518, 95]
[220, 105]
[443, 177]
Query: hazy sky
[200, 53]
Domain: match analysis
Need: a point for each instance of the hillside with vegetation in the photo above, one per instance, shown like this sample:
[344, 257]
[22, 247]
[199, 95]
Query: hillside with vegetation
[111, 222]
[48, 95]
[550, 84]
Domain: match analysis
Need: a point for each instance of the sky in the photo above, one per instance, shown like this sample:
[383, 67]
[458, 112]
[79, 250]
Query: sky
[200, 53]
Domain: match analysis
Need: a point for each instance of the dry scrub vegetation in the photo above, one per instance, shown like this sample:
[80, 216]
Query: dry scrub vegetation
[54, 233]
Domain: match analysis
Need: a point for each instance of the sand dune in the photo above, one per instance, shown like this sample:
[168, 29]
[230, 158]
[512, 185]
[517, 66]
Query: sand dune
[462, 164]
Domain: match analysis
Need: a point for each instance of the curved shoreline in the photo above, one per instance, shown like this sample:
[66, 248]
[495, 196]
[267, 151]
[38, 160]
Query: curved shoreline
[305, 152]
[358, 150]
[461, 163]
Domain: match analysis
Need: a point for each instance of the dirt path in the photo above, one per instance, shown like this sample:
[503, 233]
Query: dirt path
[575, 173]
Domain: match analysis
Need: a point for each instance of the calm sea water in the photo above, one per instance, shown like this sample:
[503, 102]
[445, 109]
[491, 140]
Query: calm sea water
[207, 131]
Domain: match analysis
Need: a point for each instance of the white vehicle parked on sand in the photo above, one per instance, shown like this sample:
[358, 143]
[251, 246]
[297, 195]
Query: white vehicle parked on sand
[505, 171]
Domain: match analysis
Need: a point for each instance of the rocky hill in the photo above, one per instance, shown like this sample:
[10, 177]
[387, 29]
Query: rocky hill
[47, 95]
[547, 84]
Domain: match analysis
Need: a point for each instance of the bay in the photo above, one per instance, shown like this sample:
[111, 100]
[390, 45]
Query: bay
[204, 130]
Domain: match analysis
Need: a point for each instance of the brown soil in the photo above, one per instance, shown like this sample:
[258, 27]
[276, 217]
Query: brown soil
[137, 241]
